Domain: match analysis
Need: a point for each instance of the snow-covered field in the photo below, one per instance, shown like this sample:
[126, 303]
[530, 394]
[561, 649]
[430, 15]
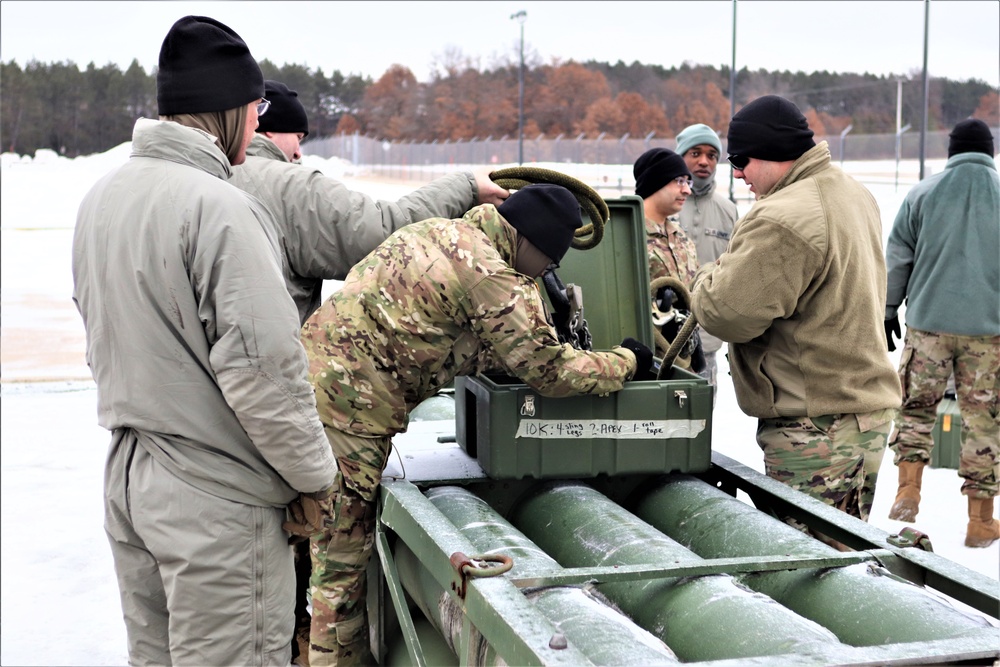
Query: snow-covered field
[58, 597]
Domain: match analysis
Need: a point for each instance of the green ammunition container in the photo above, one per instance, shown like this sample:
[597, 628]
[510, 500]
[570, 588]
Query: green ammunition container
[947, 435]
[648, 427]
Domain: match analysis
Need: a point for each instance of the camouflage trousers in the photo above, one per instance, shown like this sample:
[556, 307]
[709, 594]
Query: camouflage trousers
[927, 362]
[833, 458]
[339, 629]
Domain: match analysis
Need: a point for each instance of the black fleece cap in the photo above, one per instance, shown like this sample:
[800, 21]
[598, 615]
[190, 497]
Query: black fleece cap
[970, 136]
[286, 113]
[655, 168]
[205, 66]
[769, 128]
[547, 215]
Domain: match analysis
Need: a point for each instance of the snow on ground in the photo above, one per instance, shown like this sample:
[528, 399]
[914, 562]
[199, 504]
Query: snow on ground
[58, 596]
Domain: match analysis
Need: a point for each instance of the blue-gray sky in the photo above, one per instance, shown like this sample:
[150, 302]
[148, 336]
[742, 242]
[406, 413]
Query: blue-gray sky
[365, 38]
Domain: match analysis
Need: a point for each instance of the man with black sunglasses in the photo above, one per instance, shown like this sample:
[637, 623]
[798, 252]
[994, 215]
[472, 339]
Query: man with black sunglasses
[800, 298]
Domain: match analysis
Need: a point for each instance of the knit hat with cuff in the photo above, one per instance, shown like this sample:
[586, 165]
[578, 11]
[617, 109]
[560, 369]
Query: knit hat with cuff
[655, 168]
[971, 136]
[286, 114]
[547, 215]
[769, 128]
[696, 135]
[204, 66]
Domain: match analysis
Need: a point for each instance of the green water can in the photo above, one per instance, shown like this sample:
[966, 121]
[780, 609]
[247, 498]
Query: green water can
[947, 435]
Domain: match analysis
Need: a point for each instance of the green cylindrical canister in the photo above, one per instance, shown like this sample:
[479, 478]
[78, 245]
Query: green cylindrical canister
[861, 604]
[701, 618]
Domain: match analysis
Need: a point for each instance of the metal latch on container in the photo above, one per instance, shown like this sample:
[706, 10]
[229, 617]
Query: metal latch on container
[476, 566]
[909, 537]
[681, 396]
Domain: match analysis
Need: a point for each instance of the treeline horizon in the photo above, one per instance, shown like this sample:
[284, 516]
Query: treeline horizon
[76, 112]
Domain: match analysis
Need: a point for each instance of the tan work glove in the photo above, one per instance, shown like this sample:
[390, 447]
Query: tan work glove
[309, 513]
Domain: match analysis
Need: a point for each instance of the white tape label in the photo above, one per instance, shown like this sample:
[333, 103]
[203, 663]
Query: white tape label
[629, 429]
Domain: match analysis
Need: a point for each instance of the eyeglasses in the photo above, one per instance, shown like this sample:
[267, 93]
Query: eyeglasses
[683, 180]
[263, 106]
[739, 161]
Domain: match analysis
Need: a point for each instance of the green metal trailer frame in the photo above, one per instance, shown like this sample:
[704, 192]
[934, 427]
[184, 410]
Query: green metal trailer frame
[496, 607]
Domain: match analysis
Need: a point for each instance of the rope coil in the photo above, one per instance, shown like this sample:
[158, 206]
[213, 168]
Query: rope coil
[588, 236]
[674, 348]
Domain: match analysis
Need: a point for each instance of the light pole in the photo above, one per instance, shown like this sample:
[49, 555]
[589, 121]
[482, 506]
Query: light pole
[732, 104]
[520, 17]
[923, 110]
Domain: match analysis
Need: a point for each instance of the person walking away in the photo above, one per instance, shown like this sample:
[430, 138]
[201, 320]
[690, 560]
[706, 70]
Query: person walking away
[943, 258]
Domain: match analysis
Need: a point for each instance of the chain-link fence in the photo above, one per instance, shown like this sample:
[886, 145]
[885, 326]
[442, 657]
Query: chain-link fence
[409, 160]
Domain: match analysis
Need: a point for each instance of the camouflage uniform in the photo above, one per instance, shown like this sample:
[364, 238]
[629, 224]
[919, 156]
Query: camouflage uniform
[927, 362]
[439, 298]
[834, 458]
[671, 252]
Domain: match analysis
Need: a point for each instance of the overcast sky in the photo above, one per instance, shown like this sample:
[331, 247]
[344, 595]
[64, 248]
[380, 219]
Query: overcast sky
[365, 38]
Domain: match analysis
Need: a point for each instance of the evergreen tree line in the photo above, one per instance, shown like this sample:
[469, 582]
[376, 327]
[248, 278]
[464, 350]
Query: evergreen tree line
[73, 112]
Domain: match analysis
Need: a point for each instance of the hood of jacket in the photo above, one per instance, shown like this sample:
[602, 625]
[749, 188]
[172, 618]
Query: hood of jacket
[167, 140]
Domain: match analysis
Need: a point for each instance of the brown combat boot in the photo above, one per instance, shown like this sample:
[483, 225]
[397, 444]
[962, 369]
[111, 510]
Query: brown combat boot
[908, 496]
[301, 648]
[983, 530]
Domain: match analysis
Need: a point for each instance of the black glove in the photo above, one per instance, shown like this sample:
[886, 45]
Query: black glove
[699, 364]
[665, 299]
[643, 359]
[892, 327]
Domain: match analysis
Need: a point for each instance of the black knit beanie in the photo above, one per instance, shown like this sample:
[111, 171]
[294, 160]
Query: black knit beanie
[769, 128]
[286, 113]
[971, 136]
[205, 66]
[655, 168]
[547, 215]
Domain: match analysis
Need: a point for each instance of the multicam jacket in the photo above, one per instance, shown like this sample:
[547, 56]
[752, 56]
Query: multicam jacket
[440, 298]
[671, 252]
[324, 228]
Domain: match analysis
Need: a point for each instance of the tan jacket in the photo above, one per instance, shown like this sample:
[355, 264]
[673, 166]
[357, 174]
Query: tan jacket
[800, 297]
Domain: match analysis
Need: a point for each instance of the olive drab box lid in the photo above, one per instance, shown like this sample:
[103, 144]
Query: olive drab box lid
[654, 426]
